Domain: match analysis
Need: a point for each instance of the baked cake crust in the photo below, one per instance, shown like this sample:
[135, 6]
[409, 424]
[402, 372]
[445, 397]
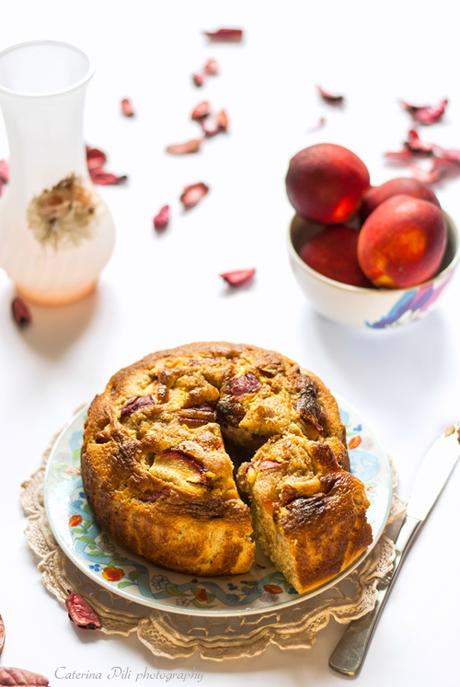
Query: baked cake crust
[159, 478]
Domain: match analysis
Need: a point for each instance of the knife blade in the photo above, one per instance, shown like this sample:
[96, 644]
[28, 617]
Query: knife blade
[431, 478]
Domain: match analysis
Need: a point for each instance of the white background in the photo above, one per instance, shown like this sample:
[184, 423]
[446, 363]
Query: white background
[163, 291]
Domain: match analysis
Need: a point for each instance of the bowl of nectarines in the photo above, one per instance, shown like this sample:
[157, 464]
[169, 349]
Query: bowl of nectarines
[367, 256]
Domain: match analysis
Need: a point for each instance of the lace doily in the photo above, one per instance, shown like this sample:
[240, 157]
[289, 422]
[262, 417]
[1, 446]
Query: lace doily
[171, 635]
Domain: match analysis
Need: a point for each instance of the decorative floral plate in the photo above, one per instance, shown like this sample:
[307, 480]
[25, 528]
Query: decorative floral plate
[262, 589]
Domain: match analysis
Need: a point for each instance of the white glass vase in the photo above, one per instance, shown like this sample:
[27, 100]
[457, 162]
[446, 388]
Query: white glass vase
[56, 234]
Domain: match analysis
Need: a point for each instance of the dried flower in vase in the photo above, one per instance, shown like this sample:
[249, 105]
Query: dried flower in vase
[64, 214]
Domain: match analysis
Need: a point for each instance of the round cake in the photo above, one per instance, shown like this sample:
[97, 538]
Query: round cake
[181, 441]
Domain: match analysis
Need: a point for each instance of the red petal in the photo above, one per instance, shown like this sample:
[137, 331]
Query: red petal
[403, 155]
[21, 313]
[193, 194]
[415, 144]
[201, 111]
[186, 148]
[211, 67]
[95, 158]
[4, 172]
[127, 109]
[222, 120]
[198, 80]
[331, 98]
[101, 178]
[225, 35]
[447, 154]
[426, 114]
[161, 219]
[238, 277]
[19, 676]
[81, 613]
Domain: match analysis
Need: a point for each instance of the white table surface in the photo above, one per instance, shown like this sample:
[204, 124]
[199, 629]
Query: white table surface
[163, 291]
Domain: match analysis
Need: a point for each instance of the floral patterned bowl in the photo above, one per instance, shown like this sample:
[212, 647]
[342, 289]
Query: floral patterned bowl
[366, 307]
[262, 589]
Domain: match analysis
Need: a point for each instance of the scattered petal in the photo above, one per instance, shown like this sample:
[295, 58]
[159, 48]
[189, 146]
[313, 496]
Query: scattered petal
[201, 111]
[161, 219]
[198, 80]
[331, 98]
[238, 277]
[191, 146]
[193, 194]
[18, 676]
[222, 120]
[447, 154]
[81, 613]
[319, 125]
[95, 158]
[21, 313]
[211, 67]
[415, 144]
[101, 178]
[224, 35]
[2, 634]
[403, 155]
[127, 109]
[426, 114]
[4, 172]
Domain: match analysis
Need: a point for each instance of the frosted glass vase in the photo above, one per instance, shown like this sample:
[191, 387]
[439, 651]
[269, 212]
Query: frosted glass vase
[56, 234]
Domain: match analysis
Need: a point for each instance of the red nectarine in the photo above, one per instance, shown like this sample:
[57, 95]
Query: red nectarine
[394, 187]
[402, 242]
[325, 183]
[333, 252]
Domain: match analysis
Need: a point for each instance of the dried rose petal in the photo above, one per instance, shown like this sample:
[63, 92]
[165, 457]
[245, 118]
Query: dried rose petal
[426, 114]
[20, 311]
[447, 154]
[193, 194]
[224, 35]
[211, 67]
[135, 404]
[415, 144]
[331, 98]
[161, 219]
[198, 79]
[2, 634]
[201, 111]
[95, 158]
[246, 384]
[101, 178]
[319, 125]
[4, 172]
[81, 613]
[19, 676]
[403, 155]
[238, 277]
[219, 125]
[186, 148]
[127, 109]
[222, 120]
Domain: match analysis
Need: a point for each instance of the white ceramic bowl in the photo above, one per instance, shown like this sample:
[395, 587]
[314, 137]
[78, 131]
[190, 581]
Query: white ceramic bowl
[362, 307]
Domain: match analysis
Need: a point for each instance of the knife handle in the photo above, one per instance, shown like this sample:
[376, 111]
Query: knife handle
[350, 652]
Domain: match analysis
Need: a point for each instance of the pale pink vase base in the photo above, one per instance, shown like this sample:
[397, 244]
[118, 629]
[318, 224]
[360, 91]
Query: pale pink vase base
[56, 298]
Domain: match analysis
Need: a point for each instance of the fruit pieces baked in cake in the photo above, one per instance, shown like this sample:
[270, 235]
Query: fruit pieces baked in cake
[164, 439]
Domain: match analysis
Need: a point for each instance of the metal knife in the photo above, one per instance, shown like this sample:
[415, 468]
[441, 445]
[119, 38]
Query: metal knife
[436, 468]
